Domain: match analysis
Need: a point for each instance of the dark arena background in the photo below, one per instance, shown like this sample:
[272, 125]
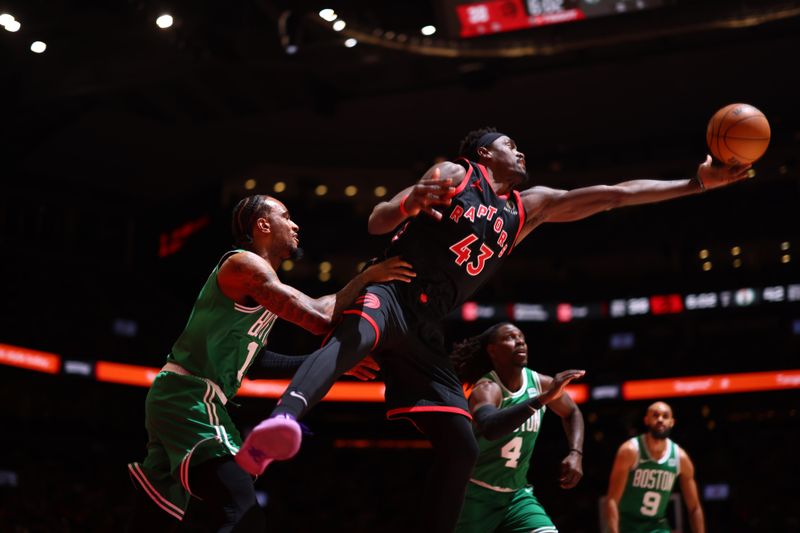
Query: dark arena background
[124, 146]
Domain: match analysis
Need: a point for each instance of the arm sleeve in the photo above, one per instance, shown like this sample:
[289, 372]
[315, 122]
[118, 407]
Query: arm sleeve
[494, 423]
[273, 365]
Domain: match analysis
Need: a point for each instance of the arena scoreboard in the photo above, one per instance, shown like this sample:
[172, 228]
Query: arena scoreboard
[497, 16]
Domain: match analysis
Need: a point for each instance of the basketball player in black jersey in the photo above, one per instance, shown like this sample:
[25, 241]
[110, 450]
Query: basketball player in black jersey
[456, 226]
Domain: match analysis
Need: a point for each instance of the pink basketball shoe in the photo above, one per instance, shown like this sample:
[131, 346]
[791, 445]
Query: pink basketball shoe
[273, 439]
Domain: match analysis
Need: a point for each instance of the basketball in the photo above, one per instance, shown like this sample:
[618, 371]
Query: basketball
[738, 134]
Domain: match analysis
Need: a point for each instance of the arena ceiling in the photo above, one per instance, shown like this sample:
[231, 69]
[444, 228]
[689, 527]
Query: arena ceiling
[115, 103]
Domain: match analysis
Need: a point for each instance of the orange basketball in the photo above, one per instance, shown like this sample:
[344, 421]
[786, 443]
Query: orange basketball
[738, 134]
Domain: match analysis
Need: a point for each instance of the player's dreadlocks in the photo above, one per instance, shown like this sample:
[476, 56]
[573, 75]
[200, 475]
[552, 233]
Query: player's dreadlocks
[246, 212]
[470, 358]
[469, 145]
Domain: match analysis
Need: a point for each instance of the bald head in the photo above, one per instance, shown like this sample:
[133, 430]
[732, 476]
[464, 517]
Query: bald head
[659, 420]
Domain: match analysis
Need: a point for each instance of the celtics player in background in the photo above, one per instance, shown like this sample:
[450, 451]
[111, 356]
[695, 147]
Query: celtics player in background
[190, 472]
[507, 404]
[643, 475]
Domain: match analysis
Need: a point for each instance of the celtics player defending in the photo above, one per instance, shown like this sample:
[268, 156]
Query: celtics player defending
[507, 405]
[189, 471]
[643, 475]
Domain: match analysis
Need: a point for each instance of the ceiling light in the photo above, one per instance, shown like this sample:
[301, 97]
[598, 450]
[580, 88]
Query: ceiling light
[279, 187]
[350, 43]
[428, 30]
[13, 26]
[164, 21]
[37, 47]
[339, 25]
[5, 18]
[328, 14]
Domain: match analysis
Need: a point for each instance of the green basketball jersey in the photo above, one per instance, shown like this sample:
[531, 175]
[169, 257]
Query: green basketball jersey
[650, 484]
[503, 463]
[222, 337]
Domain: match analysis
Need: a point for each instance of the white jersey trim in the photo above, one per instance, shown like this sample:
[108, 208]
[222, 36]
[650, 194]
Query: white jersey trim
[175, 368]
[490, 487]
[514, 394]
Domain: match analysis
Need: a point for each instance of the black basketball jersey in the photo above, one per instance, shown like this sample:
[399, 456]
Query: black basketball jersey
[455, 256]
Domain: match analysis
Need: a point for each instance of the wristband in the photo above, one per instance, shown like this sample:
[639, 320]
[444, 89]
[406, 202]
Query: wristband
[403, 206]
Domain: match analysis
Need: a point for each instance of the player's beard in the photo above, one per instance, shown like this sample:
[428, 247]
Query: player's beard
[660, 435]
[522, 177]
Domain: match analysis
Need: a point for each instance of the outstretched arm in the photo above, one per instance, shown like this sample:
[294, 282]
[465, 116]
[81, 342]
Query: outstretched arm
[543, 204]
[436, 188]
[690, 497]
[248, 274]
[626, 457]
[572, 420]
[494, 423]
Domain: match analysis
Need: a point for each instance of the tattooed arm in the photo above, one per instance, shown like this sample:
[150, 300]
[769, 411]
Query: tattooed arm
[247, 276]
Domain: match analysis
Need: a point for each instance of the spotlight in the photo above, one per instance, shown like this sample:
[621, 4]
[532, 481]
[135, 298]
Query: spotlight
[287, 265]
[164, 21]
[5, 18]
[380, 191]
[707, 266]
[703, 254]
[37, 47]
[428, 30]
[328, 14]
[339, 25]
[250, 184]
[279, 187]
[13, 26]
[324, 276]
[350, 190]
[736, 251]
[350, 43]
[325, 266]
[321, 190]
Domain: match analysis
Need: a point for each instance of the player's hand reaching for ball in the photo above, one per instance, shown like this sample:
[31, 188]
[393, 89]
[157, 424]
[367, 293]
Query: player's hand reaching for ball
[560, 382]
[430, 191]
[392, 269]
[711, 175]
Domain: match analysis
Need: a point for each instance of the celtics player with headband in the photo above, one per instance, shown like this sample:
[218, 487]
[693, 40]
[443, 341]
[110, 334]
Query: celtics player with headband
[189, 472]
[643, 476]
[507, 405]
